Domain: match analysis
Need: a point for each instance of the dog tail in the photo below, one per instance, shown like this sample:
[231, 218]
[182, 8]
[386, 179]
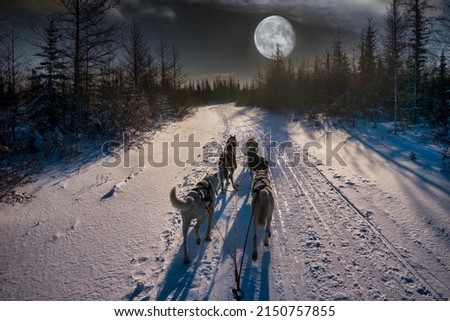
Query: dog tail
[263, 207]
[177, 202]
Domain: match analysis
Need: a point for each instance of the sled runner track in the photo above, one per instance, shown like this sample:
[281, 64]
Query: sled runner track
[388, 243]
[279, 225]
[429, 288]
[282, 242]
[323, 267]
[314, 249]
[315, 258]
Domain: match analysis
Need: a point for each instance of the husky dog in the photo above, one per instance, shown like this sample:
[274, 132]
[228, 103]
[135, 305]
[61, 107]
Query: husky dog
[251, 145]
[262, 207]
[254, 161]
[198, 204]
[227, 162]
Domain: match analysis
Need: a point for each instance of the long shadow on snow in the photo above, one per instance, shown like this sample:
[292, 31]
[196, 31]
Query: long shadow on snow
[255, 275]
[180, 277]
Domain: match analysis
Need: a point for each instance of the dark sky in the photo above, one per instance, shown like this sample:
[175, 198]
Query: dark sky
[217, 36]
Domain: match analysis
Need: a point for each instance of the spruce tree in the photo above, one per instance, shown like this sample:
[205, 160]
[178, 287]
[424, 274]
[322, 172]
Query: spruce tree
[395, 46]
[419, 28]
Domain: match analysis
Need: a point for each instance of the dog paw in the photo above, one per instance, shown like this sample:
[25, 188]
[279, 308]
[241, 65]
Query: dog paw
[255, 256]
[208, 238]
[186, 261]
[198, 241]
[266, 242]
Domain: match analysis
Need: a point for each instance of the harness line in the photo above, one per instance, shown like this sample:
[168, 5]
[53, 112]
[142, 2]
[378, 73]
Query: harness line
[237, 292]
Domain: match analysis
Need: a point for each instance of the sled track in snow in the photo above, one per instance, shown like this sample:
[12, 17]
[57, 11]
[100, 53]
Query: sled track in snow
[387, 242]
[310, 188]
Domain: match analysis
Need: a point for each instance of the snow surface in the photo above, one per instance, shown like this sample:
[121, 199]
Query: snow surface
[376, 229]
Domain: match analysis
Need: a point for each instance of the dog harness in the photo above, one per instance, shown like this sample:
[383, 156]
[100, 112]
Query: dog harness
[202, 189]
[260, 183]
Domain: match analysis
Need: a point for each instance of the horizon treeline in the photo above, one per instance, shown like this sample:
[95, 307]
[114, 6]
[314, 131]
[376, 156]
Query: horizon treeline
[97, 78]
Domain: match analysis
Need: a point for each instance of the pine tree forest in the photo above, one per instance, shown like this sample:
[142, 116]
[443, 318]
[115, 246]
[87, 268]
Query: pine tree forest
[97, 79]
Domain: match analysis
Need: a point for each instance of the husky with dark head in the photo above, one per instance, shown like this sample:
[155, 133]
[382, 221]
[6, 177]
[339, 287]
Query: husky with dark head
[198, 204]
[262, 207]
[254, 161]
[251, 145]
[227, 162]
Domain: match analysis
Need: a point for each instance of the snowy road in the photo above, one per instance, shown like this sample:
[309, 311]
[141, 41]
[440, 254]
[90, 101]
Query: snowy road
[111, 233]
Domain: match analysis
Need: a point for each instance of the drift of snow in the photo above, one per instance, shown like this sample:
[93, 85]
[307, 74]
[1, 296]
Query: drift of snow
[376, 229]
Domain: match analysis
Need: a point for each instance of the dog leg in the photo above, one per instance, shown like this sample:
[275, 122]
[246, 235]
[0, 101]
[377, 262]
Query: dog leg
[185, 245]
[268, 233]
[266, 237]
[255, 239]
[221, 179]
[226, 174]
[197, 228]
[232, 181]
[210, 217]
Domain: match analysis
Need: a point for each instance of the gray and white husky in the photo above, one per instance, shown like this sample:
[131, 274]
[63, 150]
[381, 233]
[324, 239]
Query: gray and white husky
[197, 204]
[262, 207]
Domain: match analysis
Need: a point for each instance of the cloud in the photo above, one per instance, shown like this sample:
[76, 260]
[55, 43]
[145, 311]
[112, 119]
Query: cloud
[141, 8]
[16, 8]
[348, 14]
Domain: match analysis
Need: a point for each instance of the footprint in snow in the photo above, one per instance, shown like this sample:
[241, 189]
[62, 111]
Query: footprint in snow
[139, 260]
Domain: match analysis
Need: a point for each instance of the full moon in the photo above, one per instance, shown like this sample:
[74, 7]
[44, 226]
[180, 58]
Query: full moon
[271, 31]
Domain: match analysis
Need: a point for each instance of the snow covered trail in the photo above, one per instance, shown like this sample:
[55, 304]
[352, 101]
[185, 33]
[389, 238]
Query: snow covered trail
[330, 250]
[111, 233]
